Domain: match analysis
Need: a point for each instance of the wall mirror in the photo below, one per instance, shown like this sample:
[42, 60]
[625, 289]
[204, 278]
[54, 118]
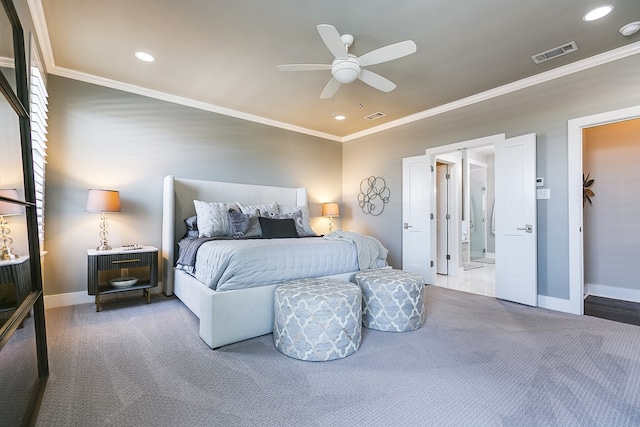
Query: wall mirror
[7, 56]
[23, 348]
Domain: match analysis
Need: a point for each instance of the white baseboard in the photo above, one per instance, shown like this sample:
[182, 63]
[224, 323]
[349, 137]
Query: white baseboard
[71, 298]
[613, 292]
[75, 298]
[557, 304]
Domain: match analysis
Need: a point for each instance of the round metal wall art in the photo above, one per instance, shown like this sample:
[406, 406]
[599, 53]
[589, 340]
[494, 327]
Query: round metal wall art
[374, 194]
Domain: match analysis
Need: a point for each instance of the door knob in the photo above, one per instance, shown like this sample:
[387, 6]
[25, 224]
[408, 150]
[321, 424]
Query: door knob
[406, 225]
[528, 228]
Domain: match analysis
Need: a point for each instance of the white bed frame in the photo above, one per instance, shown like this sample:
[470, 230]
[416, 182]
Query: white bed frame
[225, 316]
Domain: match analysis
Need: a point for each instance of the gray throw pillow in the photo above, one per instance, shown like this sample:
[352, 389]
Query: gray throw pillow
[244, 225]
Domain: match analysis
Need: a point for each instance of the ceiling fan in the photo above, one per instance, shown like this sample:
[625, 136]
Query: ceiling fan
[347, 67]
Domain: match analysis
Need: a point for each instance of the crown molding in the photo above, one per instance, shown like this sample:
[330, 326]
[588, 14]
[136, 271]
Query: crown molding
[42, 32]
[7, 62]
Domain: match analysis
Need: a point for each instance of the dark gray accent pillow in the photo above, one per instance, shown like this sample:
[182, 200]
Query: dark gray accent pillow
[296, 216]
[192, 227]
[244, 225]
[192, 223]
[277, 228]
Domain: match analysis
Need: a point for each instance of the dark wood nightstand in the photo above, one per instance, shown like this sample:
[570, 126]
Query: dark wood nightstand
[15, 285]
[105, 266]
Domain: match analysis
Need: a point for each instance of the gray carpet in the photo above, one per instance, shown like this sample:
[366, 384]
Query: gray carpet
[477, 361]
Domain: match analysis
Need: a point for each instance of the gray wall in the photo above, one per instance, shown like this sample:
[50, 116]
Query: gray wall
[543, 109]
[100, 137]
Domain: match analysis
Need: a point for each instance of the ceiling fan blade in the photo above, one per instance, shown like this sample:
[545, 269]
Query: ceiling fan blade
[303, 67]
[330, 89]
[376, 80]
[332, 39]
[388, 53]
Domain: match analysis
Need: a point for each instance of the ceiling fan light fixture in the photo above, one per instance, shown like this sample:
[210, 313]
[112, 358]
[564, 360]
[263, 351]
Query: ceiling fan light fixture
[346, 70]
[598, 13]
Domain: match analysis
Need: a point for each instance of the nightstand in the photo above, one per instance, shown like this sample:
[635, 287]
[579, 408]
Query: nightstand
[105, 266]
[15, 285]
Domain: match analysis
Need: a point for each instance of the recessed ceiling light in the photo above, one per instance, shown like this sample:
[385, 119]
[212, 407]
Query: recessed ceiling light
[340, 117]
[144, 56]
[598, 13]
[630, 29]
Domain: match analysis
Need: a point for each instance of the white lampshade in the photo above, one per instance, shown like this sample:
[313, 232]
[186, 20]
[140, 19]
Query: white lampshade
[103, 201]
[330, 209]
[7, 208]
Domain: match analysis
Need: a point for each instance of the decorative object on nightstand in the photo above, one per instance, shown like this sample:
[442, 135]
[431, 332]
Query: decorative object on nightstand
[103, 201]
[8, 209]
[138, 267]
[331, 210]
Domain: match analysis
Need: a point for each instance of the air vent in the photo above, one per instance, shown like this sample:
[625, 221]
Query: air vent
[555, 52]
[375, 116]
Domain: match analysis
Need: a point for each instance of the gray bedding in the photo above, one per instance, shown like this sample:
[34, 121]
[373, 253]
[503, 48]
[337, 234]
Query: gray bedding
[224, 264]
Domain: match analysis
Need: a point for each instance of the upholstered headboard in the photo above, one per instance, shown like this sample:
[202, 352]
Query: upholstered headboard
[177, 205]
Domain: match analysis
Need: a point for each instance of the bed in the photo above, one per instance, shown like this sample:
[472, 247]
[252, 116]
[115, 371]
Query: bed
[237, 309]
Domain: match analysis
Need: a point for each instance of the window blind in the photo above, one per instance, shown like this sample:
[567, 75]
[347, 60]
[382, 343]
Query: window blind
[39, 117]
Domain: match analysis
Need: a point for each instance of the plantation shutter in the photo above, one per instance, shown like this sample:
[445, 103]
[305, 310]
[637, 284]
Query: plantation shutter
[39, 117]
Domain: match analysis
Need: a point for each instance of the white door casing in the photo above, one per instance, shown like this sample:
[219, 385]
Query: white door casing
[416, 196]
[576, 255]
[516, 220]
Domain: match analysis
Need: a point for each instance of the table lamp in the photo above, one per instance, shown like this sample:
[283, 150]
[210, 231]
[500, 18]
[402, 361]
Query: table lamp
[8, 209]
[331, 210]
[103, 201]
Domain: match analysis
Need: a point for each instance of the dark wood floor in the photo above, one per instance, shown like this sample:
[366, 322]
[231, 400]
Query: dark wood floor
[613, 309]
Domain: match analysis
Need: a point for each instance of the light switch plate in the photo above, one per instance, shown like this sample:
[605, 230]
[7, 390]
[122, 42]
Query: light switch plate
[544, 193]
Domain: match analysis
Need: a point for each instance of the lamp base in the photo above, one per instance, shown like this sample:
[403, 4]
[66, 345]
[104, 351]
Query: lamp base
[7, 253]
[104, 246]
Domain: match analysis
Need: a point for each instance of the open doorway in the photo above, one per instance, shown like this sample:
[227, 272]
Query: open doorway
[474, 195]
[611, 153]
[576, 128]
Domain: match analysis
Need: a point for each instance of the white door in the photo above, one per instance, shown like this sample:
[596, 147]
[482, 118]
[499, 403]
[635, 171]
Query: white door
[516, 220]
[442, 219]
[416, 197]
[453, 212]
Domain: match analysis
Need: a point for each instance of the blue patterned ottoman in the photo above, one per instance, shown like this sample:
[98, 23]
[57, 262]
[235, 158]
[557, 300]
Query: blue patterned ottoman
[392, 300]
[317, 319]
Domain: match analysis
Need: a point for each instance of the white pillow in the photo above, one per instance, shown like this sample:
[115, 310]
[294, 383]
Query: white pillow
[213, 219]
[306, 225]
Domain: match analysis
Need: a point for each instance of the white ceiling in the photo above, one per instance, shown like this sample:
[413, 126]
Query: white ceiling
[221, 55]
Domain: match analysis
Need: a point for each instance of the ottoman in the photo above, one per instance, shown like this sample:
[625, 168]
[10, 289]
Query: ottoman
[392, 300]
[317, 319]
